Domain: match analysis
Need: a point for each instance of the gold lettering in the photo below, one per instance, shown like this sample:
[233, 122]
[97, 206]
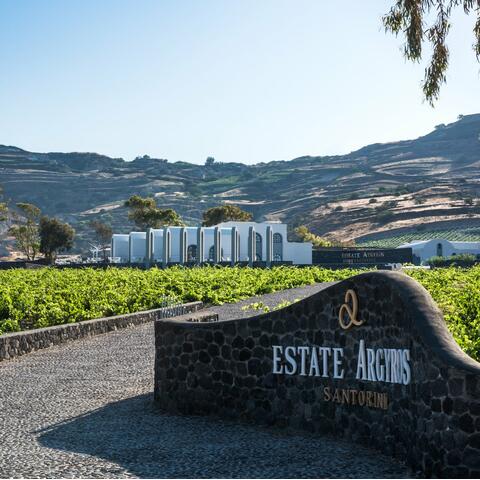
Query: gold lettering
[326, 394]
[350, 296]
[336, 396]
[351, 396]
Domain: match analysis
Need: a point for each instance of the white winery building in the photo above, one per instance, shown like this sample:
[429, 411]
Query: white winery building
[439, 247]
[229, 242]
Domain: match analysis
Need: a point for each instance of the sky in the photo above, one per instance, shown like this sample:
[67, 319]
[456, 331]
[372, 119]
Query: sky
[243, 81]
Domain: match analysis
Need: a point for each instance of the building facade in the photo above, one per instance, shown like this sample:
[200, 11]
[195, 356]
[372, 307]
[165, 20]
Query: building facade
[438, 247]
[229, 242]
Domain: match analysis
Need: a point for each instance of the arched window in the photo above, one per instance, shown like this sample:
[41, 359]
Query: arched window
[211, 254]
[258, 247]
[439, 250]
[277, 247]
[192, 253]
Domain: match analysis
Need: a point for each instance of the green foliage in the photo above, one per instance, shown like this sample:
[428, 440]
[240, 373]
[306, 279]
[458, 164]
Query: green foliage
[257, 306]
[384, 216]
[55, 236]
[103, 234]
[3, 211]
[3, 208]
[145, 213]
[225, 213]
[306, 236]
[403, 189]
[25, 230]
[386, 206]
[286, 303]
[413, 21]
[437, 261]
[463, 260]
[457, 293]
[44, 297]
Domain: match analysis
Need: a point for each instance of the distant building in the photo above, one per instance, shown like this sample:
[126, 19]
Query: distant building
[437, 247]
[230, 242]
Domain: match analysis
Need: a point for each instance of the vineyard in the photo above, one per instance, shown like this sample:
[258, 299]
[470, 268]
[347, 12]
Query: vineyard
[45, 297]
[471, 234]
[40, 298]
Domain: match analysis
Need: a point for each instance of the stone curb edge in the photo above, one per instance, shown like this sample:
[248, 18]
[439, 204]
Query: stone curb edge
[15, 344]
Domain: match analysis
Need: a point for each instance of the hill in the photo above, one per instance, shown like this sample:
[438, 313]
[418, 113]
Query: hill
[380, 191]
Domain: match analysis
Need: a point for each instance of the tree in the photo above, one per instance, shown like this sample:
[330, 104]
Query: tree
[209, 161]
[407, 17]
[306, 236]
[225, 213]
[25, 230]
[55, 236]
[3, 211]
[3, 208]
[103, 234]
[145, 213]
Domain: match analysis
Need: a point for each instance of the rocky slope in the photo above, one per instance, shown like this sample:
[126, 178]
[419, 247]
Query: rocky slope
[381, 190]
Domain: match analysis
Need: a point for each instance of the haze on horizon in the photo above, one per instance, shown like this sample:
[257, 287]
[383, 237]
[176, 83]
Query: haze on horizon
[241, 81]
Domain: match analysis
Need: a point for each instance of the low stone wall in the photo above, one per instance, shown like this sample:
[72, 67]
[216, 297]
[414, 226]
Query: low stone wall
[369, 359]
[199, 316]
[15, 344]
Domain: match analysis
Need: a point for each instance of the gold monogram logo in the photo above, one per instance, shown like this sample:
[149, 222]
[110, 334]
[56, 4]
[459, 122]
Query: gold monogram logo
[350, 297]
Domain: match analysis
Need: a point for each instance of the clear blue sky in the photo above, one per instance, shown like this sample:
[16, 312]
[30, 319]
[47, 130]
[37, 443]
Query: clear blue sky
[245, 81]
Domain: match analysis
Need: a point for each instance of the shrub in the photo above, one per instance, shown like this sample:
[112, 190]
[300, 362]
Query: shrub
[384, 216]
[463, 259]
[48, 296]
[457, 293]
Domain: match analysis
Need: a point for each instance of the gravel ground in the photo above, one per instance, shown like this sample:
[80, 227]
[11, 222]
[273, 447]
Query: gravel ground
[230, 311]
[85, 409]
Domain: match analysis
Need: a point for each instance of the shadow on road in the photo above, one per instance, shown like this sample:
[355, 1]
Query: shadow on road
[133, 434]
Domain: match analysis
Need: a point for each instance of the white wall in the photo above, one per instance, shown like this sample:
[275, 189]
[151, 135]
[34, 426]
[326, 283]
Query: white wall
[175, 239]
[297, 253]
[427, 250]
[138, 247]
[120, 245]
[261, 228]
[208, 241]
[157, 247]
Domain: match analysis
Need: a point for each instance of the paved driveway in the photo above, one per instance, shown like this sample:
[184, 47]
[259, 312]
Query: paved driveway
[84, 409]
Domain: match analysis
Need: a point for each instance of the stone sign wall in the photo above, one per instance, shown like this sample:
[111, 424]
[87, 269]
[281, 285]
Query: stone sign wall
[361, 256]
[368, 358]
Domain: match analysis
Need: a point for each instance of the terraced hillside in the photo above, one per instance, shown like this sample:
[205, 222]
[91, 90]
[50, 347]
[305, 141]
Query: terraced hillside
[395, 239]
[383, 190]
